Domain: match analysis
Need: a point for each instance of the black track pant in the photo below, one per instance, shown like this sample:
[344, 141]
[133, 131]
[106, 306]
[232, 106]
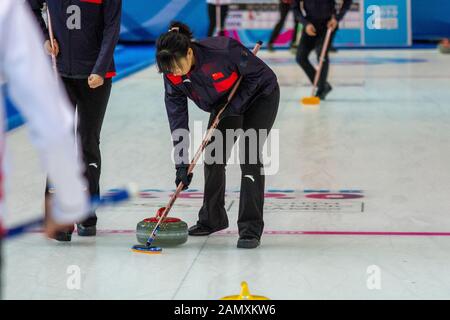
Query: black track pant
[308, 44]
[260, 115]
[284, 11]
[91, 107]
[212, 18]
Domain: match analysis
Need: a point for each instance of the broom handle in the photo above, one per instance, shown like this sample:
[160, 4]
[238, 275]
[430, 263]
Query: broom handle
[205, 141]
[322, 58]
[52, 41]
[110, 198]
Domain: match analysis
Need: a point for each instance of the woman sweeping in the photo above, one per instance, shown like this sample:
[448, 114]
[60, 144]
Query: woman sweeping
[206, 72]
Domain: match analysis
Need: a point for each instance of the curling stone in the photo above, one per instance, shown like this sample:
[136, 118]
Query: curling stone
[444, 46]
[172, 231]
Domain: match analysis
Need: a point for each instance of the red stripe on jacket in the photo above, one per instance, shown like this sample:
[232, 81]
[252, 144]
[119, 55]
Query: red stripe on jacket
[176, 80]
[226, 84]
[93, 1]
[110, 74]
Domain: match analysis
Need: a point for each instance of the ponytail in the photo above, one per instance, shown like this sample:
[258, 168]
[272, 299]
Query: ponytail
[172, 46]
[181, 28]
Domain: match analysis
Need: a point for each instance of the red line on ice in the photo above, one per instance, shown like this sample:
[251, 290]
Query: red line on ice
[299, 232]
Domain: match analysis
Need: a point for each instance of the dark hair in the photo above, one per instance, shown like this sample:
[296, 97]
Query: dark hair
[172, 45]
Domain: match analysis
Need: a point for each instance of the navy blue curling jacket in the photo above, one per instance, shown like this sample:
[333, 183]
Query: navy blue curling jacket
[87, 32]
[219, 62]
[319, 11]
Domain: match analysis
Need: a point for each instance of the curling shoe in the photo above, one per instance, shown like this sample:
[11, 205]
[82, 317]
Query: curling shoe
[248, 243]
[199, 231]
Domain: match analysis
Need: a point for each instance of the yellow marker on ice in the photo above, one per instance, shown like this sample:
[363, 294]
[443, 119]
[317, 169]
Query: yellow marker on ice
[245, 294]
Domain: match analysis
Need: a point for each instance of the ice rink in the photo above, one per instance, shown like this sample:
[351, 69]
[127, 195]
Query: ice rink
[358, 208]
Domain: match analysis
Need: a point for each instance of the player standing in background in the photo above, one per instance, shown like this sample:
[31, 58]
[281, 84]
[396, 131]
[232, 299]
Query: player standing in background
[317, 16]
[86, 32]
[217, 8]
[26, 72]
[284, 8]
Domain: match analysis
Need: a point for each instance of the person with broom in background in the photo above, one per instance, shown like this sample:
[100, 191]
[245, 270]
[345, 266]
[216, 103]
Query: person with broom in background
[317, 16]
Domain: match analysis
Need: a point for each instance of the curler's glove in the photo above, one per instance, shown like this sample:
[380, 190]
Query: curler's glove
[183, 176]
